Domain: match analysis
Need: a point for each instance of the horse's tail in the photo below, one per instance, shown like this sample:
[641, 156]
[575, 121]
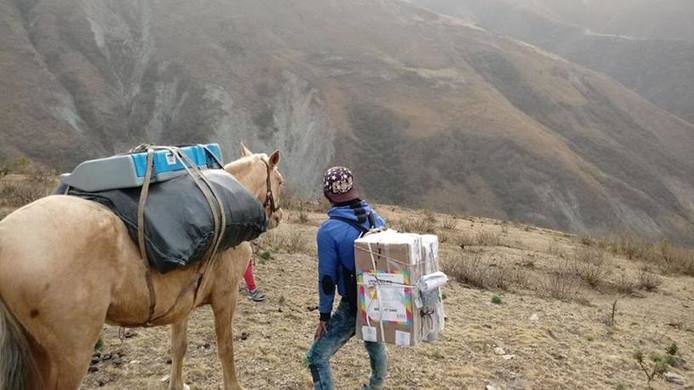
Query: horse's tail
[16, 362]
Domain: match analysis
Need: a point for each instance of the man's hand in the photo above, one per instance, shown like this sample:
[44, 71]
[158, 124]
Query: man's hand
[321, 330]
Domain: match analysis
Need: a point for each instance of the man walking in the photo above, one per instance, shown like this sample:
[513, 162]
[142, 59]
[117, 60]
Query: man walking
[349, 218]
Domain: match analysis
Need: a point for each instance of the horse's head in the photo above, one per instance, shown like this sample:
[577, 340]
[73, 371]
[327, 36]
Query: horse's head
[259, 174]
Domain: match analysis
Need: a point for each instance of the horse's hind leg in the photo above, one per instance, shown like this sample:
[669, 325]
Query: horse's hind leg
[64, 332]
[179, 344]
[64, 364]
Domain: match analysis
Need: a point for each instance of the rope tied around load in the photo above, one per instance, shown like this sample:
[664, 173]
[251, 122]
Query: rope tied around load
[218, 215]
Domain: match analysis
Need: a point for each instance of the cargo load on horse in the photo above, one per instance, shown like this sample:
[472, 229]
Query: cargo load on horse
[179, 225]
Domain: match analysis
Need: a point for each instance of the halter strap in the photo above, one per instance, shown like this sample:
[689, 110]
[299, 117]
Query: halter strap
[269, 197]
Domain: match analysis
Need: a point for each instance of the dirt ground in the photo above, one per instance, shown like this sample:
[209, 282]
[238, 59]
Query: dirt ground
[547, 343]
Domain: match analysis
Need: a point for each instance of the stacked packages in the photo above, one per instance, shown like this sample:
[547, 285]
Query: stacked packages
[398, 287]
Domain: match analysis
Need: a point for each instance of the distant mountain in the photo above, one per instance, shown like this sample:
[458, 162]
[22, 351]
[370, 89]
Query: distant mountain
[659, 69]
[430, 110]
[649, 19]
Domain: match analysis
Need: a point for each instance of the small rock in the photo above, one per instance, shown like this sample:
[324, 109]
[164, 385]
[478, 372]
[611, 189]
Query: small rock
[129, 334]
[311, 308]
[509, 357]
[206, 345]
[487, 326]
[96, 354]
[164, 379]
[95, 360]
[534, 317]
[101, 383]
[245, 335]
[117, 362]
[107, 356]
[168, 360]
[674, 378]
[93, 369]
[499, 351]
[490, 387]
[133, 362]
[279, 309]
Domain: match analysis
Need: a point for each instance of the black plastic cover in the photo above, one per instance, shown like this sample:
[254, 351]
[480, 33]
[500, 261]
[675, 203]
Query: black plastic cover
[179, 226]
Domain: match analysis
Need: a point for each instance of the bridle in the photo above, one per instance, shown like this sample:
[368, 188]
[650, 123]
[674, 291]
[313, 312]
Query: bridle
[270, 203]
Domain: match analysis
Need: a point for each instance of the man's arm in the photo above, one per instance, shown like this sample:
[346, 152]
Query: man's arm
[327, 273]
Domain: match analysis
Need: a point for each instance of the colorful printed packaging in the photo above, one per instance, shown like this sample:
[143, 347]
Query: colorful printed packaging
[391, 309]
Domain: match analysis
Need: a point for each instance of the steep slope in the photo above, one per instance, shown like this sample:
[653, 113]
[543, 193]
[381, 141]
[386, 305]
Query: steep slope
[428, 109]
[661, 70]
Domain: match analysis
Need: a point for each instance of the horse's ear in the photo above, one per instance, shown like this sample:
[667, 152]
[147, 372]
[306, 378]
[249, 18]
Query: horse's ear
[275, 158]
[244, 151]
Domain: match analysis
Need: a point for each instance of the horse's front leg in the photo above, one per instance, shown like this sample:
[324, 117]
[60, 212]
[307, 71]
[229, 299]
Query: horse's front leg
[223, 317]
[179, 344]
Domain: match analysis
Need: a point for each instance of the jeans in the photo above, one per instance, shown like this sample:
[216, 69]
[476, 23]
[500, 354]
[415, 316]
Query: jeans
[341, 328]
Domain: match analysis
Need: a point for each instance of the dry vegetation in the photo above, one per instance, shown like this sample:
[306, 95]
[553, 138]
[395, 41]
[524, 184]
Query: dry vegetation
[569, 312]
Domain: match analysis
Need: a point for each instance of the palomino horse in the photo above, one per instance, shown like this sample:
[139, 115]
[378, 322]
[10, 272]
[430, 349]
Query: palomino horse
[67, 265]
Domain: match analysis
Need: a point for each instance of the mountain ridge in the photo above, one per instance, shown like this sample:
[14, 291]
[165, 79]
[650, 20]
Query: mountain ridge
[427, 109]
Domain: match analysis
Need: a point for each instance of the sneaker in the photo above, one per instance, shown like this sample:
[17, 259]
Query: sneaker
[256, 295]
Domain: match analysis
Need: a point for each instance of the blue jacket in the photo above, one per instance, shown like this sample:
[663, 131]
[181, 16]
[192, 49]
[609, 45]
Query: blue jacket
[335, 240]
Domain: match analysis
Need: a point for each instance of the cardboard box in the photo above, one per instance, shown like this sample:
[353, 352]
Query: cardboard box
[390, 307]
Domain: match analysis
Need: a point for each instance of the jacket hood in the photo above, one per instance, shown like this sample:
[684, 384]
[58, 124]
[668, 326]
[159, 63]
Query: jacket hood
[351, 212]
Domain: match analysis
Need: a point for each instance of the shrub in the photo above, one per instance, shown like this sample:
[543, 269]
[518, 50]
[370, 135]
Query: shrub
[588, 265]
[477, 273]
[559, 285]
[652, 371]
[648, 281]
[496, 300]
[449, 223]
[625, 285]
[264, 256]
[295, 242]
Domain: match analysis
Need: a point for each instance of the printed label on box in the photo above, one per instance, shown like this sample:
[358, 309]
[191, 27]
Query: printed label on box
[402, 339]
[387, 287]
[368, 333]
[170, 159]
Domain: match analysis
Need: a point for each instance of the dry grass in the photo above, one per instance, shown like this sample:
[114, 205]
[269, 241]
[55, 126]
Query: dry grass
[555, 250]
[483, 238]
[284, 241]
[19, 193]
[474, 271]
[421, 225]
[670, 259]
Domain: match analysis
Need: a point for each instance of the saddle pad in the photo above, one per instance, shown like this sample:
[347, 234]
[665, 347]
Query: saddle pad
[179, 226]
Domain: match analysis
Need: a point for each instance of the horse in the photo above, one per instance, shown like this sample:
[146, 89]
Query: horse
[67, 266]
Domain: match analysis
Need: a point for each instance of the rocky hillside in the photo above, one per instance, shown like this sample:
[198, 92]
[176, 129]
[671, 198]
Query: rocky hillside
[428, 109]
